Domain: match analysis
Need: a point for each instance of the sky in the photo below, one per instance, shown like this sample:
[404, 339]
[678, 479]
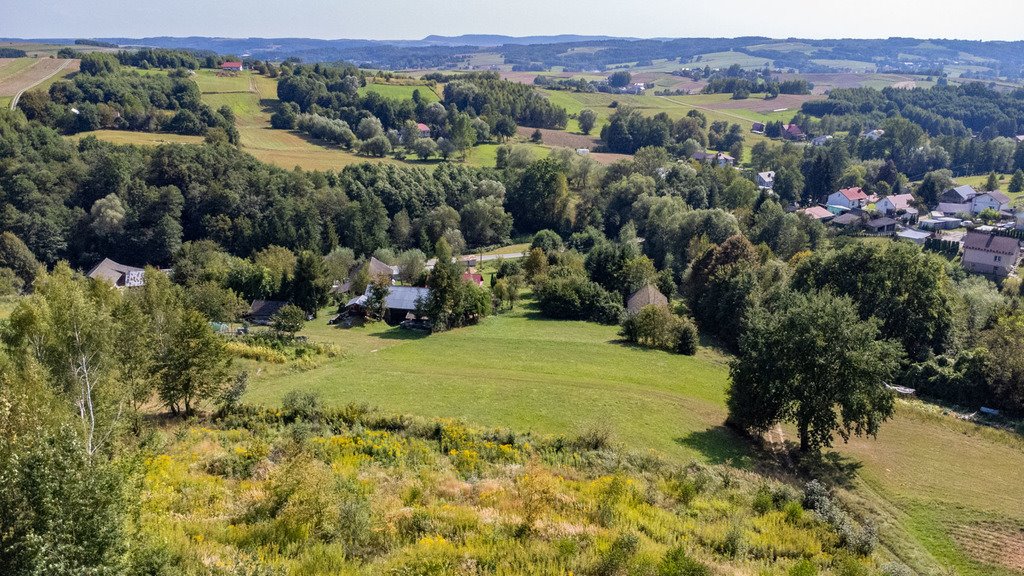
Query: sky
[414, 19]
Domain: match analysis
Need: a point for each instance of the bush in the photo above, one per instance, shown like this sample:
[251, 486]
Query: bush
[289, 319]
[574, 297]
[658, 327]
[547, 240]
[299, 404]
[677, 563]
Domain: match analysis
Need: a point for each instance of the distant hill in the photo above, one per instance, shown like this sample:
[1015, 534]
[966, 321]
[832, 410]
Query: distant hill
[967, 58]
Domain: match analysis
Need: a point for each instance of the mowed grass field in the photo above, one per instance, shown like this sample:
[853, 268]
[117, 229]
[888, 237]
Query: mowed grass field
[947, 494]
[399, 91]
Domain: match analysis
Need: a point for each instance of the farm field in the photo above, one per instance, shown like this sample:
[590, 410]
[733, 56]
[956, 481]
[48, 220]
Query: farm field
[945, 492]
[23, 74]
[726, 59]
[399, 92]
[138, 138]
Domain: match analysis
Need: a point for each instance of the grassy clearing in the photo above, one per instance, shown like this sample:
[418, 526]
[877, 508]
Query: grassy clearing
[399, 92]
[138, 138]
[926, 475]
[525, 373]
[854, 65]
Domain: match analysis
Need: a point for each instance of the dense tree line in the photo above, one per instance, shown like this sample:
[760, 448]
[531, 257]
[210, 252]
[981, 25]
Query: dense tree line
[106, 96]
[486, 94]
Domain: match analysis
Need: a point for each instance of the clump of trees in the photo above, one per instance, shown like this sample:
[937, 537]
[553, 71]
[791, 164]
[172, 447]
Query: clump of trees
[657, 327]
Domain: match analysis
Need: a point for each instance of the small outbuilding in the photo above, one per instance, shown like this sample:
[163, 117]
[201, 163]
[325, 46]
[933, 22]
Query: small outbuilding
[120, 275]
[261, 312]
[646, 296]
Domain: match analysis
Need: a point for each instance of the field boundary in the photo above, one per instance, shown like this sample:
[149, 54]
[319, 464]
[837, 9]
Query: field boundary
[14, 101]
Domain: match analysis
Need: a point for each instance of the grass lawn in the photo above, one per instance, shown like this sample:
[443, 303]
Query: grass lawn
[521, 372]
[944, 491]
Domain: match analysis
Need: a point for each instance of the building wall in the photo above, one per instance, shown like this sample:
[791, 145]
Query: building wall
[981, 262]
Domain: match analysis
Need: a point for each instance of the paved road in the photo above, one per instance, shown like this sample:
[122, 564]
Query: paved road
[14, 102]
[484, 258]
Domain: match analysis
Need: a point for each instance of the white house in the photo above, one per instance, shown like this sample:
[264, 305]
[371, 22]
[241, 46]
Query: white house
[874, 135]
[232, 66]
[821, 140]
[766, 180]
[990, 255]
[995, 200]
[848, 198]
[894, 203]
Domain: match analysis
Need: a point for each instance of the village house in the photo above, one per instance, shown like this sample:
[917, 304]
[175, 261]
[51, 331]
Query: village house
[423, 129]
[119, 275]
[766, 180]
[994, 200]
[646, 296]
[880, 226]
[990, 255]
[720, 159]
[232, 67]
[958, 195]
[401, 303]
[758, 128]
[793, 132]
[894, 204]
[261, 312]
[848, 198]
[821, 140]
[378, 268]
[816, 212]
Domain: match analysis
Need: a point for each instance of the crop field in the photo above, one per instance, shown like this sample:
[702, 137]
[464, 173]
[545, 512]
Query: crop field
[946, 493]
[22, 74]
[726, 59]
[852, 65]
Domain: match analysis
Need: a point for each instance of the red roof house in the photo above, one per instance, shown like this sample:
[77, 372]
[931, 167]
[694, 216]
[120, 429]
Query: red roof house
[473, 277]
[233, 66]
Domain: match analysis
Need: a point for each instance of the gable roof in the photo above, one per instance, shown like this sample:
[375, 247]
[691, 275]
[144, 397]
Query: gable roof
[398, 298]
[847, 218]
[997, 196]
[380, 268]
[265, 309]
[991, 243]
[646, 296]
[474, 277]
[231, 65]
[117, 274]
[965, 191]
[855, 193]
[793, 130]
[816, 212]
[881, 222]
[900, 201]
[422, 127]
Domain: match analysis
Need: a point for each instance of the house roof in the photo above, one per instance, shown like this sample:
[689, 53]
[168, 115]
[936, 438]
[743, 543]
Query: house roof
[422, 127]
[881, 222]
[231, 65]
[913, 234]
[265, 309]
[816, 212]
[900, 201]
[855, 193]
[399, 297]
[646, 296]
[953, 207]
[793, 130]
[380, 268]
[990, 243]
[965, 191]
[847, 218]
[769, 175]
[997, 196]
[116, 274]
[758, 126]
[477, 279]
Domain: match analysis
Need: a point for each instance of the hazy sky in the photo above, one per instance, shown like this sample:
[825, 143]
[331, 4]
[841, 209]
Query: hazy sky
[413, 19]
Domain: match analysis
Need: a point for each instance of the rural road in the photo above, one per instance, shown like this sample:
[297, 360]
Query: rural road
[14, 102]
[484, 258]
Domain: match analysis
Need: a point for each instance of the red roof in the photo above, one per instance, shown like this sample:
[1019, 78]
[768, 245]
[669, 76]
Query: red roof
[794, 130]
[231, 65]
[854, 194]
[423, 127]
[478, 279]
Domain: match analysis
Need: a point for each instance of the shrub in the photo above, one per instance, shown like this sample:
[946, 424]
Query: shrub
[255, 352]
[289, 319]
[574, 297]
[658, 327]
[299, 404]
[687, 337]
[677, 563]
